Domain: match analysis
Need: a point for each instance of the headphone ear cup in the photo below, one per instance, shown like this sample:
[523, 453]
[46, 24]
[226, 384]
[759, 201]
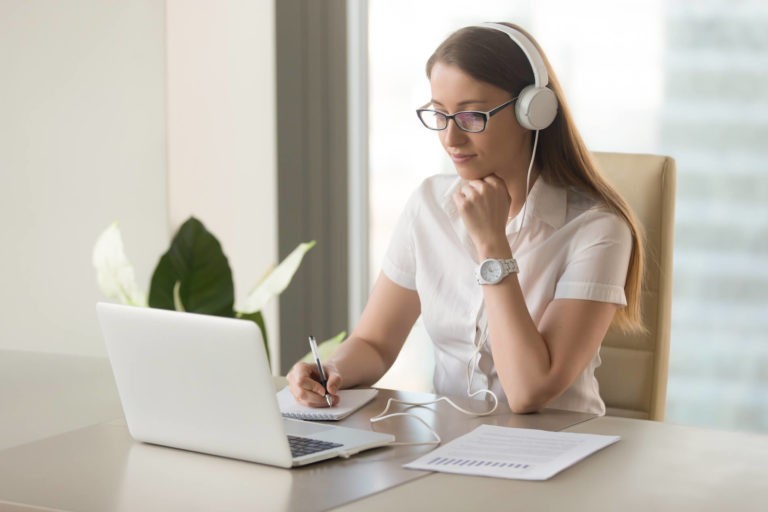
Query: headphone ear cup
[536, 107]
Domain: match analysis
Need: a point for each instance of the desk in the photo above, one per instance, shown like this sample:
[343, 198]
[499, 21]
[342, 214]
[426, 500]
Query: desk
[655, 466]
[42, 395]
[100, 468]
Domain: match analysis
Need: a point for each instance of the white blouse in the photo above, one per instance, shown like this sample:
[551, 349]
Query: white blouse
[569, 248]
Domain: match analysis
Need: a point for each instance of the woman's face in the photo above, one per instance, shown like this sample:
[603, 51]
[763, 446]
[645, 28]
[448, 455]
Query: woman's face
[503, 148]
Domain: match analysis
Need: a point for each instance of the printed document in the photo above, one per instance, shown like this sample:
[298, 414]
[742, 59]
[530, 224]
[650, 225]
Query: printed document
[505, 452]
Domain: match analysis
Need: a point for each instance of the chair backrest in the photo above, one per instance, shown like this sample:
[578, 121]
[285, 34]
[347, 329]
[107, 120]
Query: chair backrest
[633, 375]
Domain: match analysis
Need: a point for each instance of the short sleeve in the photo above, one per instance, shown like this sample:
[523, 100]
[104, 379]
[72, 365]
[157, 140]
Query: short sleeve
[598, 260]
[399, 262]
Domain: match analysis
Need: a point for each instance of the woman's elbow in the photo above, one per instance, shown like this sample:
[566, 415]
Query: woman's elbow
[524, 404]
[526, 401]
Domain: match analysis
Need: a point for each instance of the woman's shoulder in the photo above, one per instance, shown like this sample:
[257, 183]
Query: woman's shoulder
[587, 210]
[580, 202]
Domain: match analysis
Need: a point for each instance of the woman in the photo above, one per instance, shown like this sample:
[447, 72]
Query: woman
[527, 199]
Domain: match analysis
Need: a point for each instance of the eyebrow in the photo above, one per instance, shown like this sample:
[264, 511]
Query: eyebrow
[460, 104]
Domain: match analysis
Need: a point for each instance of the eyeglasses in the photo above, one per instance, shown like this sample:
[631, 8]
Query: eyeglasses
[470, 121]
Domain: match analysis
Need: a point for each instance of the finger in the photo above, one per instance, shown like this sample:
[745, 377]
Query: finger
[312, 400]
[313, 386]
[304, 386]
[498, 184]
[470, 190]
[334, 383]
[299, 372]
[477, 186]
[494, 180]
[309, 397]
[459, 199]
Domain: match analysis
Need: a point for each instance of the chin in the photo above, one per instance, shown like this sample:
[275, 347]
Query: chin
[468, 173]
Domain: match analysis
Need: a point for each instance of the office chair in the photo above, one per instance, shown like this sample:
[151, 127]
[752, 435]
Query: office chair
[633, 374]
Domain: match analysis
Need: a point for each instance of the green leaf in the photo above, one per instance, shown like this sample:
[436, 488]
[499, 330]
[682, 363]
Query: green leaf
[277, 280]
[259, 319]
[326, 348]
[114, 272]
[195, 261]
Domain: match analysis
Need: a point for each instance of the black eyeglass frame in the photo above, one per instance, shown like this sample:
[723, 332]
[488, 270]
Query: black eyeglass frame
[486, 116]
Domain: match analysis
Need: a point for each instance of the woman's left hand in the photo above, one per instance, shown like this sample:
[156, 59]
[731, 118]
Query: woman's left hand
[484, 208]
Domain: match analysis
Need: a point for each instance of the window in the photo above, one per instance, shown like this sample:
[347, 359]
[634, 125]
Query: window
[683, 78]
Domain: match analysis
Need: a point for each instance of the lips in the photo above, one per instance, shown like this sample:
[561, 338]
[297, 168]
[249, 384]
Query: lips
[460, 157]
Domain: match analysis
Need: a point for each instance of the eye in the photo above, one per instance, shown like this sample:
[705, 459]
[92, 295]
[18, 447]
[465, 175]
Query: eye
[433, 119]
[470, 121]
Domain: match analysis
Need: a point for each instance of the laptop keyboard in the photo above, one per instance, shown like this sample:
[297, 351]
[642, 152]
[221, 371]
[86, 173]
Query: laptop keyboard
[304, 445]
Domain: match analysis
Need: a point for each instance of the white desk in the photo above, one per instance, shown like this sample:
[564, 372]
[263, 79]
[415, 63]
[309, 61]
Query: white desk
[655, 466]
[100, 468]
[46, 394]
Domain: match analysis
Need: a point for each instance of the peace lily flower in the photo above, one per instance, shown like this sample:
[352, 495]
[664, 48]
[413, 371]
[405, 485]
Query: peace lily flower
[114, 272]
[276, 280]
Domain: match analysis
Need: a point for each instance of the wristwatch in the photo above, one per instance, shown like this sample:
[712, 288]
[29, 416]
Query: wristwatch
[492, 271]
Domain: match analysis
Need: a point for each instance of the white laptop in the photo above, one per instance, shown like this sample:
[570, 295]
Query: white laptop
[202, 383]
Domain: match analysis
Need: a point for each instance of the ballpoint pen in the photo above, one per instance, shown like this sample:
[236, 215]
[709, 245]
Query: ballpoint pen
[323, 380]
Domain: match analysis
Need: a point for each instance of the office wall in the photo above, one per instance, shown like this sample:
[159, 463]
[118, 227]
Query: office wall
[221, 126]
[82, 143]
[143, 112]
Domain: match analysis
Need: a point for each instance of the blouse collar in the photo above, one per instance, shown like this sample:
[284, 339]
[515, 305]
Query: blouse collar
[546, 202]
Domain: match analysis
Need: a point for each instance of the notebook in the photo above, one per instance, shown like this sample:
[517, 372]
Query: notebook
[350, 400]
[202, 383]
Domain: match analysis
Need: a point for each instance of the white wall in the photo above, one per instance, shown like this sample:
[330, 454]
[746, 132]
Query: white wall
[82, 143]
[221, 119]
[141, 111]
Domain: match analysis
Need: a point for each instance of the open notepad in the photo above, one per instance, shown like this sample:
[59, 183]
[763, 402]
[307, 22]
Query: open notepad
[350, 400]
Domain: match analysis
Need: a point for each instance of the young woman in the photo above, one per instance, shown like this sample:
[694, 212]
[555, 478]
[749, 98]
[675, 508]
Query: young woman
[518, 265]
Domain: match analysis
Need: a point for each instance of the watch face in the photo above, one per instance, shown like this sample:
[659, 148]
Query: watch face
[491, 271]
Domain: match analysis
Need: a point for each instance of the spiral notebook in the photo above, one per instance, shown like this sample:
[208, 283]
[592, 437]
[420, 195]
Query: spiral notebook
[350, 401]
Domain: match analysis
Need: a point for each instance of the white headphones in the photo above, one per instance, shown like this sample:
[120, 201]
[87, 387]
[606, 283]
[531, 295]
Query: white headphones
[536, 105]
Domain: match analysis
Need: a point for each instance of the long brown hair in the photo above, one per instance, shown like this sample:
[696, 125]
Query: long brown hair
[491, 56]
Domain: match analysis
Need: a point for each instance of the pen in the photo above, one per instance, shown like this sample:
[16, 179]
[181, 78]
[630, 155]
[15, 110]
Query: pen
[323, 381]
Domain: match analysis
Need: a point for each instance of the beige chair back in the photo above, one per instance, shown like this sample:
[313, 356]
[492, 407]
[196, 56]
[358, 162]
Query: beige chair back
[633, 376]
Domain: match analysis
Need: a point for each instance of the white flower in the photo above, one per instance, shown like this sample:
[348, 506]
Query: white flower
[275, 281]
[114, 272]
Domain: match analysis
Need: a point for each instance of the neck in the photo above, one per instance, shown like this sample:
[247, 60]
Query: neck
[517, 191]
[519, 183]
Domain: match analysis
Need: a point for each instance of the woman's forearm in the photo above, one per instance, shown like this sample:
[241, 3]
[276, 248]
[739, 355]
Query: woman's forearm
[359, 363]
[520, 353]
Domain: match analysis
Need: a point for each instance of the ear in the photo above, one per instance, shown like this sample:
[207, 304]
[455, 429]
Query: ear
[536, 107]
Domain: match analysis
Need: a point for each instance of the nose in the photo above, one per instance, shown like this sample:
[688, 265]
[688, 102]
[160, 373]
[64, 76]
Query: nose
[453, 136]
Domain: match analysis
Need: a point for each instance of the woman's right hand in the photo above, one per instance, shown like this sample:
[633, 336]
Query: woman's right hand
[304, 384]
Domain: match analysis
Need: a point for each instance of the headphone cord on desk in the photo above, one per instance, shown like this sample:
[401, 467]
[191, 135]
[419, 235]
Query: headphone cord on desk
[471, 363]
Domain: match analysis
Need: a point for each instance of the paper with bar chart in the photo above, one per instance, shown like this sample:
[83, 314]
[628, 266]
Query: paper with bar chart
[505, 452]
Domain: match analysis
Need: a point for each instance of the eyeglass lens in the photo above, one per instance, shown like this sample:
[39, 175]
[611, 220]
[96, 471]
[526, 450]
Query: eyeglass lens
[467, 121]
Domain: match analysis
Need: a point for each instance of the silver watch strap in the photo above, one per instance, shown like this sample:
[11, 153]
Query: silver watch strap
[510, 266]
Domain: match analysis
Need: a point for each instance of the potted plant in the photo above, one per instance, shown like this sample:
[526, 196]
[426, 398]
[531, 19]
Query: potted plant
[194, 276]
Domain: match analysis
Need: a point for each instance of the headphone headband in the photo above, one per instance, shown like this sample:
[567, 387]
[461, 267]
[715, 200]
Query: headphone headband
[540, 75]
[536, 106]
